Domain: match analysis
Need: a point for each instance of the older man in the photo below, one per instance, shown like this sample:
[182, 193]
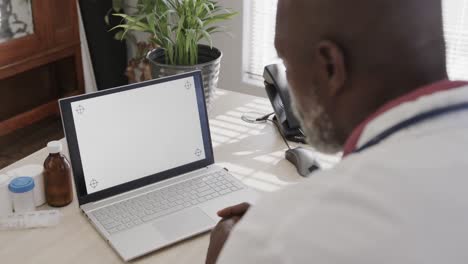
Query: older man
[368, 77]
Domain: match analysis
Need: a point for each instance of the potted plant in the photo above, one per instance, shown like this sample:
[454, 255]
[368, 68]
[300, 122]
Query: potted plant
[178, 28]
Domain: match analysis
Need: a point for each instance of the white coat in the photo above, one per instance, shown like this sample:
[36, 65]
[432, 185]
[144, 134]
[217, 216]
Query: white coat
[402, 201]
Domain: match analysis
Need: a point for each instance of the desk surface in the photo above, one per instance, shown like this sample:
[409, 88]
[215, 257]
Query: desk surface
[254, 153]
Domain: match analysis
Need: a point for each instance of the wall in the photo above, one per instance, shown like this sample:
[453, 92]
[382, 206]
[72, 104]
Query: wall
[232, 47]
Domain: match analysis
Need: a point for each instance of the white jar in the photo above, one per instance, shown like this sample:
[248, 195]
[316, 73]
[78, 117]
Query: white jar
[6, 207]
[36, 172]
[22, 194]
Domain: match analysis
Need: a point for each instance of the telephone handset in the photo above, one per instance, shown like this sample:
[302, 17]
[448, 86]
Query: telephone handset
[276, 86]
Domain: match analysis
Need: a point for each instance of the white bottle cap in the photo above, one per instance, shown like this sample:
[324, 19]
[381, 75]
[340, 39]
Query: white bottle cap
[54, 147]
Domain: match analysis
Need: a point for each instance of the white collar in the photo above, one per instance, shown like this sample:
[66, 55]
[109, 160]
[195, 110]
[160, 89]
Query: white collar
[410, 109]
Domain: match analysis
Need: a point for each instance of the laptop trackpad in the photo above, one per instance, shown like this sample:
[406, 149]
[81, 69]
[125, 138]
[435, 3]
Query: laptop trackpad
[180, 225]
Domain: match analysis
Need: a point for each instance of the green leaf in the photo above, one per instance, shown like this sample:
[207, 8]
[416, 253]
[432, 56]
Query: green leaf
[117, 5]
[119, 35]
[207, 37]
[180, 25]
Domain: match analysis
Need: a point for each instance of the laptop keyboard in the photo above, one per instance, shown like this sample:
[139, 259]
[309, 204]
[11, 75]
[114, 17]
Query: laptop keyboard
[138, 210]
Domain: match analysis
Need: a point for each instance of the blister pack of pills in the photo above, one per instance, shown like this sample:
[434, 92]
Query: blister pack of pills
[36, 219]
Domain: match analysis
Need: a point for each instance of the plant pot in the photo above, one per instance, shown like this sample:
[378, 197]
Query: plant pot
[209, 64]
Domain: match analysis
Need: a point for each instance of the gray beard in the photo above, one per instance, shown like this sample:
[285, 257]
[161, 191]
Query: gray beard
[317, 126]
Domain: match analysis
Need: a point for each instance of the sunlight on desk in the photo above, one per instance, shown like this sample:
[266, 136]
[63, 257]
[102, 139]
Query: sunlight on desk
[271, 158]
[229, 128]
[254, 153]
[259, 180]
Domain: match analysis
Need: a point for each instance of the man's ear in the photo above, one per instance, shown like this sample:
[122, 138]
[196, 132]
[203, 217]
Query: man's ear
[332, 62]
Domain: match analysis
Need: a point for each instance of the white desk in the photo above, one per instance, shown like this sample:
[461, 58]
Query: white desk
[253, 153]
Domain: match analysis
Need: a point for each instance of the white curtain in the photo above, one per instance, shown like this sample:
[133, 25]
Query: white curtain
[261, 20]
[260, 31]
[456, 34]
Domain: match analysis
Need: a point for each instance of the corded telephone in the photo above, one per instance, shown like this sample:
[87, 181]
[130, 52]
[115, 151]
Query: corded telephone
[276, 86]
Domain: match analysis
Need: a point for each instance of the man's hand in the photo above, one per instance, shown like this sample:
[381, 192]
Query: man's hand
[221, 232]
[219, 236]
[236, 210]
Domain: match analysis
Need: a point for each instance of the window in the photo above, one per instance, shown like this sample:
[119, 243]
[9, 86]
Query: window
[456, 34]
[259, 35]
[260, 30]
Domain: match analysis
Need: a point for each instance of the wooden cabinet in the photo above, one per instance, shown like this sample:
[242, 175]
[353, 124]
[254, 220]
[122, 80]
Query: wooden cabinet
[16, 49]
[63, 27]
[38, 68]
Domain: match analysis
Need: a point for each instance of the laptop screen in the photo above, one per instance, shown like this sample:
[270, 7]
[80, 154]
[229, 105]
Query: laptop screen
[131, 134]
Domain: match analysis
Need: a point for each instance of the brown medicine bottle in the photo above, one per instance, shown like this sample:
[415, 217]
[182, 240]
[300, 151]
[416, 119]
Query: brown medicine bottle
[57, 177]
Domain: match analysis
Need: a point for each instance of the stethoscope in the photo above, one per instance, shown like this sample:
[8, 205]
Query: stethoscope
[420, 118]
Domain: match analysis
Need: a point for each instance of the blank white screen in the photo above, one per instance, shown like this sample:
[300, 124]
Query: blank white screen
[137, 133]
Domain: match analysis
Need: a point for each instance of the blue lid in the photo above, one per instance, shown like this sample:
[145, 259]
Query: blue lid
[21, 185]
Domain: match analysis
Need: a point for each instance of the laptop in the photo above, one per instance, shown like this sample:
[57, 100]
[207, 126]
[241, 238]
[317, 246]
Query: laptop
[143, 163]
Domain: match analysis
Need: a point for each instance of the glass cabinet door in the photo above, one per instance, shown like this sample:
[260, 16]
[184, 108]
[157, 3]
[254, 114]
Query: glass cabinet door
[23, 30]
[16, 19]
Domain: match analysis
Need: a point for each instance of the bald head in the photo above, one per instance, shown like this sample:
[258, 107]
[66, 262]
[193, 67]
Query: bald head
[354, 56]
[369, 31]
